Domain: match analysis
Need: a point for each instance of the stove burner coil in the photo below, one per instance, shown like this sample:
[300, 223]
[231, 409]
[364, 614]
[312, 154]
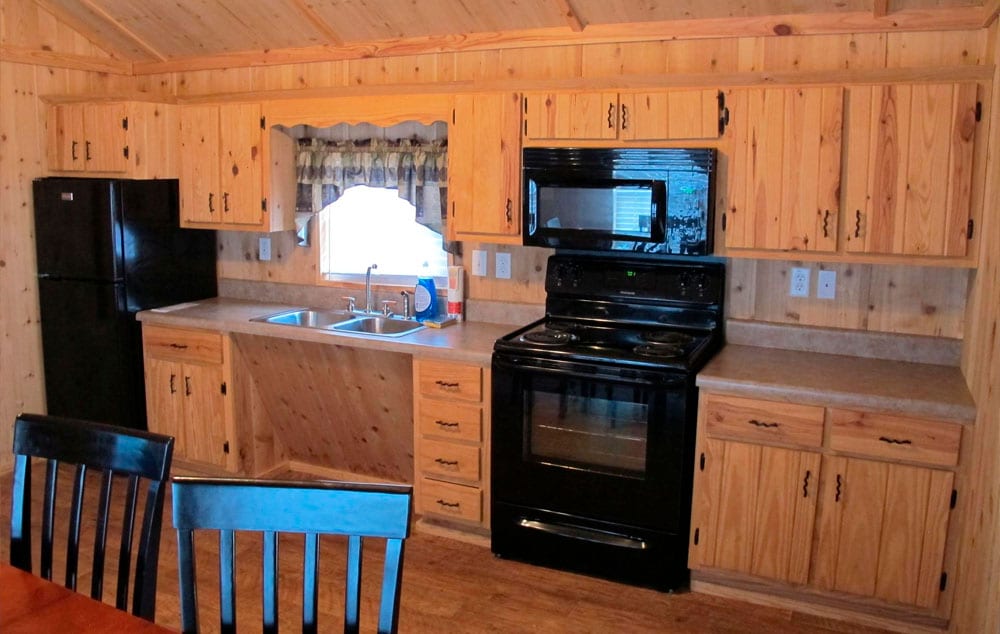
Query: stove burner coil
[667, 337]
[550, 337]
[658, 350]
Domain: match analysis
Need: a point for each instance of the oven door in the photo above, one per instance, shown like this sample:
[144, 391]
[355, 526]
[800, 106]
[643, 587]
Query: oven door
[608, 443]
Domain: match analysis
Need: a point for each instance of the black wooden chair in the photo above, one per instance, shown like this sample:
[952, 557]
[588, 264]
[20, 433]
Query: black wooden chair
[330, 508]
[113, 451]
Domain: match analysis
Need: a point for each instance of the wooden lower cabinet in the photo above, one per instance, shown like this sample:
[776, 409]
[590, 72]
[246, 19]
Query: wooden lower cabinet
[187, 391]
[839, 508]
[451, 423]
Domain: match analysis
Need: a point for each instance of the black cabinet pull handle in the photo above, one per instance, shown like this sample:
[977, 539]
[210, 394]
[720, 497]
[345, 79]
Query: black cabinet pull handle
[446, 384]
[840, 484]
[510, 215]
[179, 346]
[624, 117]
[451, 505]
[611, 116]
[857, 223]
[444, 423]
[826, 224]
[805, 484]
[895, 441]
[225, 202]
[173, 388]
[760, 423]
[211, 201]
[87, 152]
[446, 463]
[72, 151]
[187, 386]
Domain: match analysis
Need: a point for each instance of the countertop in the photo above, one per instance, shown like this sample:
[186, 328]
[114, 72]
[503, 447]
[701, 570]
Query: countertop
[470, 342]
[915, 389]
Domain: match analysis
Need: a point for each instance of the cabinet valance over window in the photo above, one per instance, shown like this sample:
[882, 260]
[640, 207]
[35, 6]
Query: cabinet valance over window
[417, 170]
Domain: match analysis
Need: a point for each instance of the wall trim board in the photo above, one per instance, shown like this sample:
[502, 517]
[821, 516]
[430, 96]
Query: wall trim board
[38, 57]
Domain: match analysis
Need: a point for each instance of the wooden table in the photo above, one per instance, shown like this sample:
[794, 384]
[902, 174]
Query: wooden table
[31, 604]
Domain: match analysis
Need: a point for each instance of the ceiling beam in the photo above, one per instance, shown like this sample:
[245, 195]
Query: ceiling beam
[945, 19]
[310, 14]
[39, 57]
[992, 8]
[95, 37]
[576, 24]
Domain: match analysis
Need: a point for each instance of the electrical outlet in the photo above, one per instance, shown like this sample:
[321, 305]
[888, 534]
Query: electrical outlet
[503, 266]
[264, 252]
[799, 286]
[826, 285]
[479, 263]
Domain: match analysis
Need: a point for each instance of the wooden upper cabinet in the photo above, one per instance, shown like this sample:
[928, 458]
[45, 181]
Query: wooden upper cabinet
[224, 183]
[784, 169]
[909, 169]
[134, 140]
[625, 117]
[484, 166]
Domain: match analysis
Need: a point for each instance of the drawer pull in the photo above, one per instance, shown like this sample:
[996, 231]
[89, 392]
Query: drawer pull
[840, 483]
[446, 463]
[173, 388]
[611, 114]
[895, 441]
[178, 346]
[187, 386]
[444, 423]
[446, 385]
[449, 505]
[826, 224]
[759, 423]
[805, 484]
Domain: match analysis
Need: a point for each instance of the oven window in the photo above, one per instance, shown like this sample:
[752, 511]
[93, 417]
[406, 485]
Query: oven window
[593, 425]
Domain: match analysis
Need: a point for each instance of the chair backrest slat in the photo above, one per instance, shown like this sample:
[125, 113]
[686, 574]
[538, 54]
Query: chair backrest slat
[227, 580]
[101, 536]
[90, 447]
[312, 508]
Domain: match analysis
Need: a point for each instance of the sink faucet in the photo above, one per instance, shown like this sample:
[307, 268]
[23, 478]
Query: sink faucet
[406, 304]
[369, 308]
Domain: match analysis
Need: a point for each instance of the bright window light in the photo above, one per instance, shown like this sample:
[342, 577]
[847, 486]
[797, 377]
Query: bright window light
[374, 225]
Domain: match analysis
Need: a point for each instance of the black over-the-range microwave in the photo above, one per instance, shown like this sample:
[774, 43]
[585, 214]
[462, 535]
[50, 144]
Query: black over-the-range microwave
[658, 200]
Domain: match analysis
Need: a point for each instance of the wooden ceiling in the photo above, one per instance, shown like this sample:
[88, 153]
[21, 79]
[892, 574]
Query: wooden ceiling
[160, 36]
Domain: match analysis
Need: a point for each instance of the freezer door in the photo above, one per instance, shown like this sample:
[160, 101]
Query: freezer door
[92, 353]
[78, 233]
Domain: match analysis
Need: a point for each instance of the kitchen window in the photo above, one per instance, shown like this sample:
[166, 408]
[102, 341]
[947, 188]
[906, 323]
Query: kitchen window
[369, 225]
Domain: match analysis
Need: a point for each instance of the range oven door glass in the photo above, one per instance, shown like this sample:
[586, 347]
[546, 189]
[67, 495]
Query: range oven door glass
[597, 441]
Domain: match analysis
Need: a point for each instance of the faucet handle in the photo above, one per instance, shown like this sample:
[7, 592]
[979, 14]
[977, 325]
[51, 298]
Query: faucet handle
[351, 303]
[386, 304]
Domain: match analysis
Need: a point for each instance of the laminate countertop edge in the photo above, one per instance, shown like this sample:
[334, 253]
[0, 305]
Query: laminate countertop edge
[466, 342]
[899, 387]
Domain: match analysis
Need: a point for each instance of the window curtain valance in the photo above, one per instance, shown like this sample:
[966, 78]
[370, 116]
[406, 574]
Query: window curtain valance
[417, 170]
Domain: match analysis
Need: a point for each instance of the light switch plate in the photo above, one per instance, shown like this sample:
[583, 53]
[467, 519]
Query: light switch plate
[799, 286]
[479, 263]
[826, 285]
[264, 253]
[503, 266]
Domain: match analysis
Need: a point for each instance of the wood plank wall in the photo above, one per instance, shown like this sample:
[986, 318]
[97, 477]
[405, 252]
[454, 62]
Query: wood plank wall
[756, 285]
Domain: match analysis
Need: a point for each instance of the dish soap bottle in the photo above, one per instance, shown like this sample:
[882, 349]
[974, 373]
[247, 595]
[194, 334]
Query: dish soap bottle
[425, 297]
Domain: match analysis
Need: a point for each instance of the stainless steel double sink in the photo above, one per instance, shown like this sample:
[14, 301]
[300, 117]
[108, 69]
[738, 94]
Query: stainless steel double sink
[343, 321]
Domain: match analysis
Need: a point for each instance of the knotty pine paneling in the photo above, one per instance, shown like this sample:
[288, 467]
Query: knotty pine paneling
[900, 299]
[527, 279]
[945, 48]
[642, 58]
[362, 424]
[821, 52]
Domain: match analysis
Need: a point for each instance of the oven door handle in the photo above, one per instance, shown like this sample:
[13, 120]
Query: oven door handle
[585, 534]
[521, 365]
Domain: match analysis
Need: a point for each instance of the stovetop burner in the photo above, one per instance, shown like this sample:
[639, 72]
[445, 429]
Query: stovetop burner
[550, 337]
[658, 350]
[664, 338]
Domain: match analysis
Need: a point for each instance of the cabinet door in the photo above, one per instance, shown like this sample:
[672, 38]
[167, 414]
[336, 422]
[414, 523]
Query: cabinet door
[65, 138]
[165, 400]
[585, 116]
[204, 413]
[199, 166]
[909, 175]
[785, 169]
[484, 156]
[240, 137]
[670, 115]
[881, 531]
[105, 130]
[753, 509]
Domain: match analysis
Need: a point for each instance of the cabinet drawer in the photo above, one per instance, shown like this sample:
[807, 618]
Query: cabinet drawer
[450, 420]
[895, 437]
[451, 500]
[442, 379]
[450, 460]
[763, 421]
[204, 346]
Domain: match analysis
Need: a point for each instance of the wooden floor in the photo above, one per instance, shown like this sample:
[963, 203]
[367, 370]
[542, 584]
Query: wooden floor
[448, 586]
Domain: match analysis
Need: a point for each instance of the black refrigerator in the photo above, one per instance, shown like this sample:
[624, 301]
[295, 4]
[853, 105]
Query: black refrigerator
[107, 249]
